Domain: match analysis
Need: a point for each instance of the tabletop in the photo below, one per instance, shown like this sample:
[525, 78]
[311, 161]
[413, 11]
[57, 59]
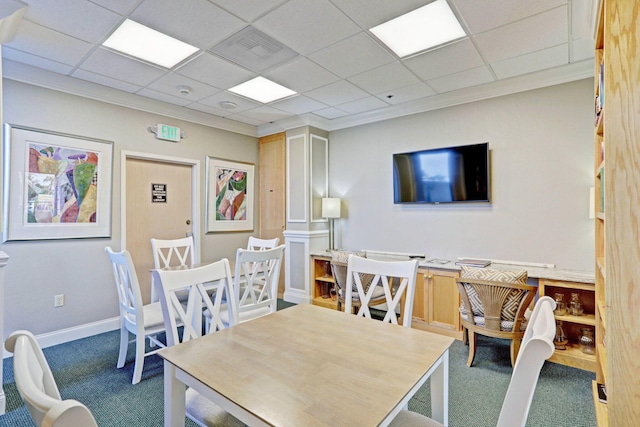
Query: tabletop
[307, 365]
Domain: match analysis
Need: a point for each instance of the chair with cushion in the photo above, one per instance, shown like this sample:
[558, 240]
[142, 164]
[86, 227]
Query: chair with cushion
[397, 279]
[498, 300]
[171, 253]
[217, 277]
[143, 321]
[255, 285]
[339, 272]
[38, 388]
[537, 346]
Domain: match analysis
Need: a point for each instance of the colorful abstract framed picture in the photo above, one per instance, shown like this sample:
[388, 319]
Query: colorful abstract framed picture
[230, 196]
[56, 186]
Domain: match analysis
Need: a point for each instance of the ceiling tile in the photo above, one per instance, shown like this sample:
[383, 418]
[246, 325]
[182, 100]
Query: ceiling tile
[528, 35]
[248, 120]
[208, 109]
[105, 81]
[120, 6]
[266, 114]
[301, 75]
[406, 94]
[352, 56]
[468, 78]
[449, 59]
[298, 105]
[196, 22]
[581, 49]
[242, 104]
[248, 10]
[484, 15]
[119, 67]
[36, 61]
[386, 78]
[210, 69]
[331, 113]
[535, 61]
[169, 84]
[164, 97]
[361, 105]
[78, 18]
[337, 93]
[307, 25]
[369, 13]
[42, 41]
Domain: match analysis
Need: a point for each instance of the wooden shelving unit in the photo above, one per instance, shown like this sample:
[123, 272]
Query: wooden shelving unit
[573, 356]
[617, 178]
[323, 283]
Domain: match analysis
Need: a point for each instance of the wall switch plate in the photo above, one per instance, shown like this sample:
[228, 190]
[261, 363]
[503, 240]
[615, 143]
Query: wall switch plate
[58, 300]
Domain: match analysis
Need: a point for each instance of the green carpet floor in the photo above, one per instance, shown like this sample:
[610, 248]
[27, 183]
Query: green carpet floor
[85, 370]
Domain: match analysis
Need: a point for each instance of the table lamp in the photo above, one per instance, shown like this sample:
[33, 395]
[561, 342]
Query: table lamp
[331, 210]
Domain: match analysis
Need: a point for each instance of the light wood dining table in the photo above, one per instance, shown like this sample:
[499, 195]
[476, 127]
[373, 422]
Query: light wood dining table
[309, 366]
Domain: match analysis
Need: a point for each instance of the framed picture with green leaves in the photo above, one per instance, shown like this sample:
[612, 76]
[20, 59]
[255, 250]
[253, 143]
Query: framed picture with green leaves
[230, 195]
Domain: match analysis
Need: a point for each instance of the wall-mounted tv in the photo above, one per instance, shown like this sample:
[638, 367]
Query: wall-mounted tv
[442, 175]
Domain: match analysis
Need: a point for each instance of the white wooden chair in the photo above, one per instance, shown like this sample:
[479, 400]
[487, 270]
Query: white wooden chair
[171, 253]
[38, 388]
[399, 275]
[143, 321]
[257, 244]
[217, 277]
[255, 285]
[537, 346]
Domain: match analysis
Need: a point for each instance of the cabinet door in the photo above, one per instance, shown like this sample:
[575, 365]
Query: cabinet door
[420, 306]
[443, 299]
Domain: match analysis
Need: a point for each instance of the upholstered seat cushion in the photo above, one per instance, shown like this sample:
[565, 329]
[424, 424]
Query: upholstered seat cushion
[505, 325]
[512, 302]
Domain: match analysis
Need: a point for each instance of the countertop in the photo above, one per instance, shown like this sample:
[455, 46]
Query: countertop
[533, 270]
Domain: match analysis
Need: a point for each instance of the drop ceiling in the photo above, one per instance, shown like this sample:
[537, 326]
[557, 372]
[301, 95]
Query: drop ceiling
[322, 49]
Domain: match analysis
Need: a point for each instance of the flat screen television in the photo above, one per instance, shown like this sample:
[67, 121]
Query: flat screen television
[442, 175]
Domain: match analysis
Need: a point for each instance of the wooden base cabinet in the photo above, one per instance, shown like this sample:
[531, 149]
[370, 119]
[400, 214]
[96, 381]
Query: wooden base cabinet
[436, 302]
[322, 282]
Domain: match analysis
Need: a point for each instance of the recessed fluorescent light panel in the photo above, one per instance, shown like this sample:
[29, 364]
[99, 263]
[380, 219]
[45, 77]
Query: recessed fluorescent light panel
[262, 90]
[149, 45]
[421, 29]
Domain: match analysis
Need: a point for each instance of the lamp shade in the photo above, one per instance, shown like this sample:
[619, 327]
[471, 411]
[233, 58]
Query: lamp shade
[330, 207]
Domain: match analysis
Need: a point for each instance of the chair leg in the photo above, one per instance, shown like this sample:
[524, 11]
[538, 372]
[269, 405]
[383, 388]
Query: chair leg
[515, 348]
[124, 345]
[472, 347]
[139, 363]
[465, 336]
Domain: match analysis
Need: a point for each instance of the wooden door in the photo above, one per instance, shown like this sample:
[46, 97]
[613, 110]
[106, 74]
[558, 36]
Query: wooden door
[168, 217]
[271, 175]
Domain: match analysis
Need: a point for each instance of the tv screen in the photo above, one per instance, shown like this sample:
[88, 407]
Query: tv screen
[442, 175]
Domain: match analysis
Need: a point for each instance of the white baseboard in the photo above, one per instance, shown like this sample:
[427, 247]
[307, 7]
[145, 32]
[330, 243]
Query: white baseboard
[296, 298]
[71, 334]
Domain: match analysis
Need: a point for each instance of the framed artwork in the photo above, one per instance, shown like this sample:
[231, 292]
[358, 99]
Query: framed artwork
[230, 196]
[56, 186]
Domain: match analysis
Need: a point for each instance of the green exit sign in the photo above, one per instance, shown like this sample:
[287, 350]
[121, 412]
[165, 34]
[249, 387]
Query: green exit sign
[168, 133]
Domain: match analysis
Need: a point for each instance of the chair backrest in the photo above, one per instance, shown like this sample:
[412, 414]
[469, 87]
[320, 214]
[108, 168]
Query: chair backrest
[206, 284]
[339, 261]
[255, 282]
[173, 253]
[399, 275]
[537, 346]
[129, 294]
[38, 388]
[257, 244]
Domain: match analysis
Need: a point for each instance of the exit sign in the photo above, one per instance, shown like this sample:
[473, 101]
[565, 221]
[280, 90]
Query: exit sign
[168, 133]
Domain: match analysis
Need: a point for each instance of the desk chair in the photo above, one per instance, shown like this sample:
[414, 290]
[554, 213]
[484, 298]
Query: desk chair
[494, 303]
[217, 277]
[537, 346]
[38, 388]
[143, 321]
[397, 279]
[171, 253]
[339, 271]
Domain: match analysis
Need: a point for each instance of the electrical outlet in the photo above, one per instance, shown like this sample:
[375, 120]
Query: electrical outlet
[58, 300]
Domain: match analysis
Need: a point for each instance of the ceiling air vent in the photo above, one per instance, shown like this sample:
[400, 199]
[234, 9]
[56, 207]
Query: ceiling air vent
[253, 49]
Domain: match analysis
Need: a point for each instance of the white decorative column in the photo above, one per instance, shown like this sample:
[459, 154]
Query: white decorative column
[306, 231]
[3, 262]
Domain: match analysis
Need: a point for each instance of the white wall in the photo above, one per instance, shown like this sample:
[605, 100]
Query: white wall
[38, 270]
[541, 156]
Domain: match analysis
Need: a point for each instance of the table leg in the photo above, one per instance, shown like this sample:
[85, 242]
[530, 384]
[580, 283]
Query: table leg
[174, 397]
[440, 391]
